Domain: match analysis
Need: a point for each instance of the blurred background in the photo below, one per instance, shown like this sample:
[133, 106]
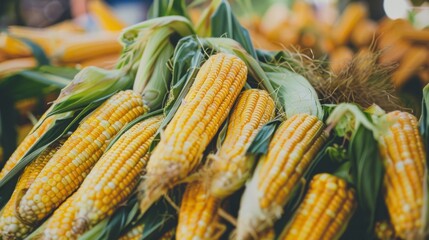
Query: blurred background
[44, 43]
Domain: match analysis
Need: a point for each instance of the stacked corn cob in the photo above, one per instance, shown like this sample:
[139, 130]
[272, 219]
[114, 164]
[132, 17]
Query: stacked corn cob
[65, 44]
[324, 31]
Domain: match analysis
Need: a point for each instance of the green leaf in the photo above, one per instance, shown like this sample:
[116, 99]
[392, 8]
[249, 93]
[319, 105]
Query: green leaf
[91, 84]
[45, 78]
[367, 170]
[65, 72]
[225, 24]
[36, 50]
[424, 121]
[161, 8]
[294, 92]
[259, 145]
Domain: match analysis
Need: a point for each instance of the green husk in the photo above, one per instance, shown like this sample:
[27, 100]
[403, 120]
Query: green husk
[161, 8]
[362, 130]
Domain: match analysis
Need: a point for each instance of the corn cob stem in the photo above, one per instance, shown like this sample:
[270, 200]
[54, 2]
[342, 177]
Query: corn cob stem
[325, 211]
[72, 163]
[230, 167]
[108, 184]
[197, 120]
[404, 159]
[10, 225]
[294, 146]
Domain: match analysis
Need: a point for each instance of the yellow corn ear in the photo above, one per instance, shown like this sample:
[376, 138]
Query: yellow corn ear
[12, 66]
[413, 59]
[26, 144]
[135, 233]
[292, 149]
[404, 160]
[109, 183]
[205, 107]
[384, 230]
[230, 167]
[13, 47]
[351, 16]
[325, 211]
[86, 47]
[72, 163]
[105, 16]
[10, 225]
[198, 215]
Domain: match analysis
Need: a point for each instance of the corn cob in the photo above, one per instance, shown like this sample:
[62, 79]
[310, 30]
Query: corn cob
[230, 166]
[104, 16]
[12, 66]
[13, 47]
[47, 40]
[135, 233]
[413, 59]
[384, 230]
[292, 149]
[26, 144]
[354, 13]
[198, 215]
[108, 184]
[325, 211]
[197, 120]
[72, 163]
[10, 225]
[364, 33]
[86, 47]
[403, 155]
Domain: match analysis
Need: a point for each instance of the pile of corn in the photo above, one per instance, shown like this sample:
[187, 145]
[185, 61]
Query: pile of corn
[86, 175]
[65, 44]
[319, 33]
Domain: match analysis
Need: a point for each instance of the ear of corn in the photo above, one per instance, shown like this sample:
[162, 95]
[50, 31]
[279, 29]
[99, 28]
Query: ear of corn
[404, 159]
[230, 166]
[11, 226]
[413, 59]
[292, 149]
[26, 144]
[80, 49]
[198, 215]
[13, 47]
[135, 233]
[104, 15]
[195, 123]
[72, 163]
[12, 66]
[325, 211]
[351, 16]
[108, 184]
[384, 230]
